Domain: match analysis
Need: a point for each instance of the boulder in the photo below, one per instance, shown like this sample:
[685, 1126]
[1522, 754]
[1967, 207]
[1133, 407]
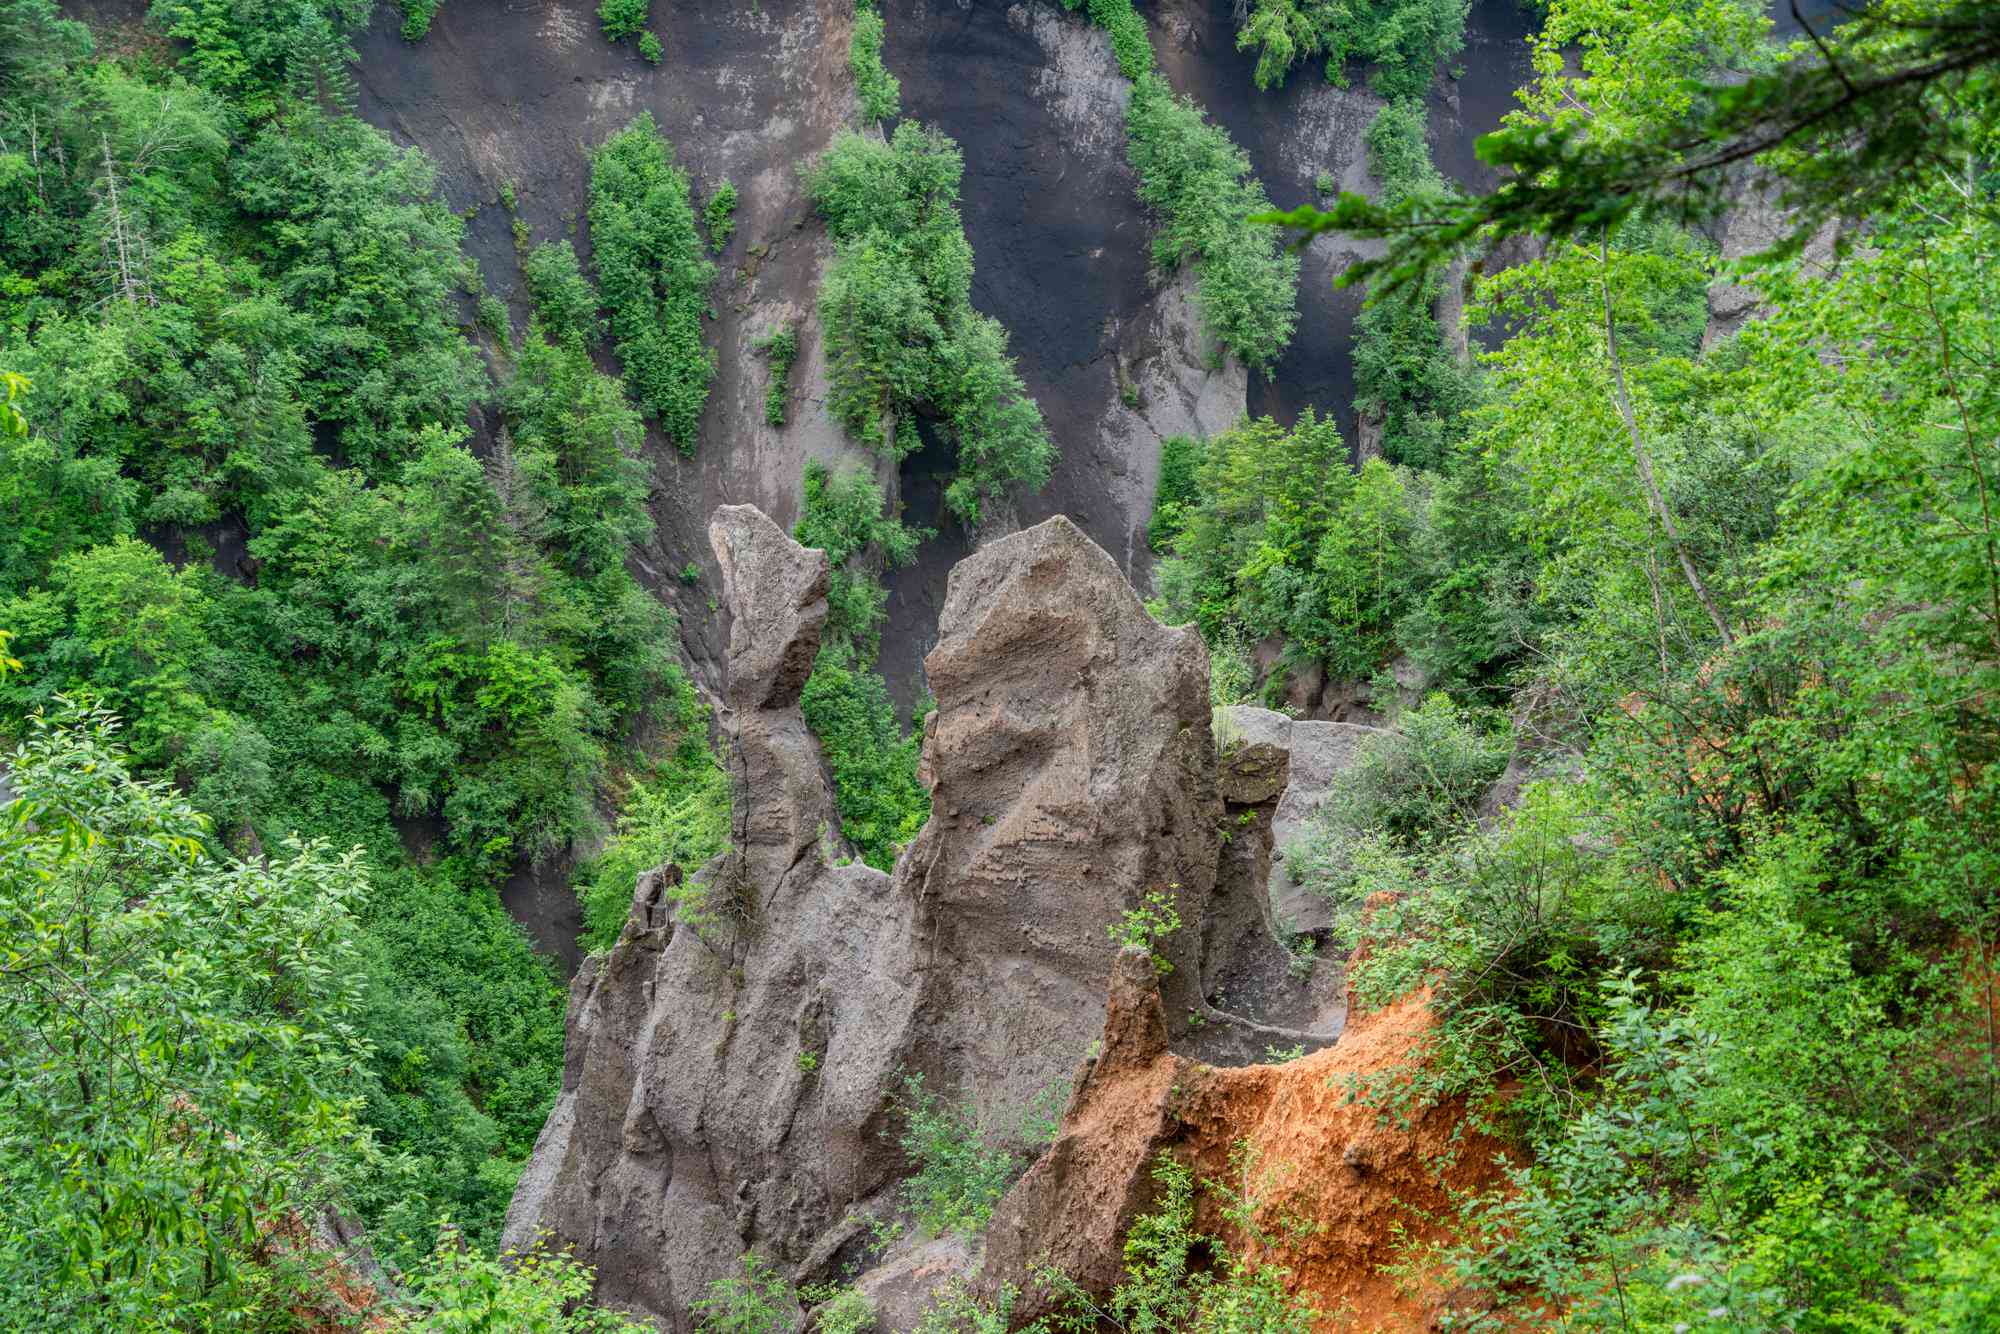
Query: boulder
[1320, 754]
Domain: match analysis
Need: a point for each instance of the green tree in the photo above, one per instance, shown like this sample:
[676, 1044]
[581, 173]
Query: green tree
[177, 1029]
[901, 334]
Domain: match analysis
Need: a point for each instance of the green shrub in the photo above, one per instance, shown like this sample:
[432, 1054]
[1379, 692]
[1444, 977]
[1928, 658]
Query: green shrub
[1177, 492]
[1145, 926]
[880, 93]
[417, 16]
[179, 1021]
[457, 1288]
[678, 815]
[1200, 186]
[719, 216]
[1285, 540]
[1199, 183]
[622, 18]
[565, 301]
[780, 347]
[1177, 1278]
[873, 764]
[963, 1168]
[1129, 42]
[650, 48]
[838, 1309]
[654, 275]
[1404, 376]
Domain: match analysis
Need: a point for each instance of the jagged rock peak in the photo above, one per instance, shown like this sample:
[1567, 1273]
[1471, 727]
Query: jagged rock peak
[1072, 775]
[776, 593]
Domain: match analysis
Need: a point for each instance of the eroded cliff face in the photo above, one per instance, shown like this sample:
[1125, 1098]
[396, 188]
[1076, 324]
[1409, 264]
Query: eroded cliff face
[734, 1061]
[1288, 1137]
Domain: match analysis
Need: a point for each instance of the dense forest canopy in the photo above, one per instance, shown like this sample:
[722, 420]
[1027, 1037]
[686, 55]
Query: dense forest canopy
[296, 667]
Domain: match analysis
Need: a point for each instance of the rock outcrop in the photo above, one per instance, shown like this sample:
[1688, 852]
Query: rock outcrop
[1314, 756]
[734, 1062]
[729, 1060]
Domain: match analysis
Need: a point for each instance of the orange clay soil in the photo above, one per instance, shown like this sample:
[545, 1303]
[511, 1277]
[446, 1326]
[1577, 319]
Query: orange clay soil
[1365, 1184]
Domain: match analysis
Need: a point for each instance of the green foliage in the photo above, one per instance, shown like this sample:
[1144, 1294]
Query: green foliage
[1722, 980]
[873, 763]
[964, 1163]
[880, 93]
[780, 347]
[565, 301]
[719, 216]
[757, 1301]
[1199, 184]
[1404, 377]
[1169, 1285]
[654, 275]
[402, 645]
[417, 16]
[457, 1290]
[1403, 39]
[1287, 541]
[846, 702]
[837, 1309]
[841, 514]
[679, 816]
[901, 333]
[177, 1029]
[955, 1310]
[650, 48]
[622, 18]
[1144, 927]
[1177, 491]
[1128, 33]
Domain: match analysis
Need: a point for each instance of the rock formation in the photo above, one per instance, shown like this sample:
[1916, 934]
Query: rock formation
[733, 1063]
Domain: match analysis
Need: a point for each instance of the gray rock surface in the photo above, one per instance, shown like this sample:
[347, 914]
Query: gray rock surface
[1316, 754]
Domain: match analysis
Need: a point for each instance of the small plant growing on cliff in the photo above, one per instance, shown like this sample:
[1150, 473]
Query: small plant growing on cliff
[956, 1311]
[808, 1062]
[622, 18]
[719, 215]
[1145, 926]
[837, 1309]
[780, 347]
[1168, 1287]
[417, 16]
[757, 1301]
[881, 95]
[961, 1173]
[460, 1287]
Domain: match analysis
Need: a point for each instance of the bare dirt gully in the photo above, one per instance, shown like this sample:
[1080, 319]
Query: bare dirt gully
[509, 99]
